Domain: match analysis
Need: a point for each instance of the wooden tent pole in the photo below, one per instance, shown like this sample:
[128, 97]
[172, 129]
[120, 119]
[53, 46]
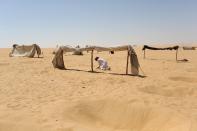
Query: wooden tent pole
[92, 60]
[176, 54]
[127, 62]
[144, 53]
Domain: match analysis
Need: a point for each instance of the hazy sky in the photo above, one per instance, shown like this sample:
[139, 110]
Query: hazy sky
[98, 22]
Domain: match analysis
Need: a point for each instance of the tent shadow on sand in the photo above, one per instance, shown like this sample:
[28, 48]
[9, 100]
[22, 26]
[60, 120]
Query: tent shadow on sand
[141, 76]
[159, 59]
[169, 60]
[40, 57]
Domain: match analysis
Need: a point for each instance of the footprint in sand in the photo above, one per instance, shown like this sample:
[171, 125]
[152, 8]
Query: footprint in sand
[4, 64]
[167, 91]
[192, 69]
[183, 79]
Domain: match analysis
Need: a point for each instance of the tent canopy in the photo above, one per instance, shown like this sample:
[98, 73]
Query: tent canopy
[58, 61]
[156, 48]
[67, 48]
[25, 50]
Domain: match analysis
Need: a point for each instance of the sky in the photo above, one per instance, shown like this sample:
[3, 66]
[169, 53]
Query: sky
[97, 22]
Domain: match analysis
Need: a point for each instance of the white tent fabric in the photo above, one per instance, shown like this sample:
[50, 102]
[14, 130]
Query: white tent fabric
[76, 51]
[64, 48]
[58, 61]
[89, 48]
[25, 50]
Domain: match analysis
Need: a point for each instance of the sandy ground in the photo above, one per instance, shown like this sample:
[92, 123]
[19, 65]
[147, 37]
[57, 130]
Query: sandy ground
[37, 97]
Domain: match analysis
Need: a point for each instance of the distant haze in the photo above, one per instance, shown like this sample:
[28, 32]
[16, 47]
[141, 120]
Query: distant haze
[97, 22]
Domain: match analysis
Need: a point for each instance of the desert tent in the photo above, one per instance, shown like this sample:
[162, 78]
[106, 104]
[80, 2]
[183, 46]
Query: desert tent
[155, 48]
[189, 48]
[77, 51]
[25, 50]
[58, 61]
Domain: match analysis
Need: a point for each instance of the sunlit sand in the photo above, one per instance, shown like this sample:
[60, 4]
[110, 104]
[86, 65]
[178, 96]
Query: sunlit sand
[37, 97]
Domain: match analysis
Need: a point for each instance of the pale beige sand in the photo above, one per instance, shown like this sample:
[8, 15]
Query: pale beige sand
[36, 97]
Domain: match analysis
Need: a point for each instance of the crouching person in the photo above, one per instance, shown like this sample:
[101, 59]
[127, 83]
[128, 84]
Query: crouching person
[102, 64]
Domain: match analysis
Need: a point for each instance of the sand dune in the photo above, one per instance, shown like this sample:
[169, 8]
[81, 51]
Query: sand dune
[125, 116]
[37, 97]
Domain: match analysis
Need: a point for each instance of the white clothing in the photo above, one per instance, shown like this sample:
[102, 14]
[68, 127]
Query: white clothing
[103, 64]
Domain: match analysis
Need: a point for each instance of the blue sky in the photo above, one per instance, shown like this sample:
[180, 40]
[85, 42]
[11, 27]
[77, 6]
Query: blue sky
[98, 22]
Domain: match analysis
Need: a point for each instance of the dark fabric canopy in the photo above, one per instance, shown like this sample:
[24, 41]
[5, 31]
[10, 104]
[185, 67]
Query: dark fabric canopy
[154, 48]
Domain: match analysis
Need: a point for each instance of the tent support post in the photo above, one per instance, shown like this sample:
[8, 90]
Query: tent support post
[127, 62]
[144, 53]
[176, 54]
[92, 60]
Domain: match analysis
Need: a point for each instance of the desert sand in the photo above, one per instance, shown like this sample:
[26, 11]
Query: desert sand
[36, 97]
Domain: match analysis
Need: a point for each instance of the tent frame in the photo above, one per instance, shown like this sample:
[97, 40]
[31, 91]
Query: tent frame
[130, 54]
[154, 48]
[92, 61]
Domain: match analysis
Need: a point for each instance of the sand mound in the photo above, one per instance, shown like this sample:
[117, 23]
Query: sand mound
[123, 116]
[8, 126]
